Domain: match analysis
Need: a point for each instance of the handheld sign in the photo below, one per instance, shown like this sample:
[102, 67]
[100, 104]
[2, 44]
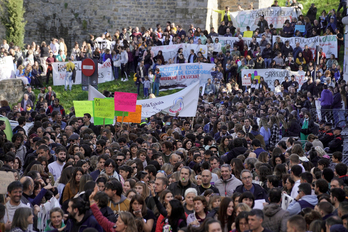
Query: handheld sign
[132, 117]
[248, 34]
[104, 108]
[6, 178]
[125, 101]
[83, 107]
[300, 28]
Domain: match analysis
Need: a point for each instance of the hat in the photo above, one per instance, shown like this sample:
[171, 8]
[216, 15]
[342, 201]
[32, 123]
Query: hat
[338, 128]
[73, 137]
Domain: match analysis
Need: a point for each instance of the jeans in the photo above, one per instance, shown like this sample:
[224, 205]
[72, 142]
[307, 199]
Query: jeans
[147, 66]
[138, 88]
[155, 89]
[68, 79]
[116, 69]
[344, 5]
[146, 92]
[268, 62]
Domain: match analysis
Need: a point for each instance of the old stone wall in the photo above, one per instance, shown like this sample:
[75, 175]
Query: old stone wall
[11, 90]
[74, 20]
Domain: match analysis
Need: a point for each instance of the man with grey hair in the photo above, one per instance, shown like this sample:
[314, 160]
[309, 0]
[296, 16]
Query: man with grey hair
[228, 182]
[247, 179]
[26, 101]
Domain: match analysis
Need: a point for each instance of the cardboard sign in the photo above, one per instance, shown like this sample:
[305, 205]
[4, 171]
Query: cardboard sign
[125, 101]
[83, 107]
[246, 80]
[300, 28]
[104, 108]
[248, 34]
[132, 117]
[6, 178]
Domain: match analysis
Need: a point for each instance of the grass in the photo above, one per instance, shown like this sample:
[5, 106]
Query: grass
[66, 98]
[326, 5]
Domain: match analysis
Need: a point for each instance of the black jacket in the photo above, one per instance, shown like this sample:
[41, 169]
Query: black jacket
[178, 189]
[233, 154]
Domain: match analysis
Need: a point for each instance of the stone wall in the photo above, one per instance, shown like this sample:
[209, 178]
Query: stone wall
[74, 20]
[11, 90]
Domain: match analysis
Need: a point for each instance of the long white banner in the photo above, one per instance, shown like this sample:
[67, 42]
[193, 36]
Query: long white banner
[104, 72]
[177, 76]
[273, 15]
[171, 51]
[185, 102]
[328, 43]
[7, 68]
[270, 75]
[231, 40]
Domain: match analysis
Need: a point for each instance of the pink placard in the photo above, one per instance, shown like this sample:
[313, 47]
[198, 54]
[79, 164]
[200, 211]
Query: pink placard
[125, 101]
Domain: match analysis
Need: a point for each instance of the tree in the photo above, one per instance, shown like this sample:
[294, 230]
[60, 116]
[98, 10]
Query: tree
[13, 21]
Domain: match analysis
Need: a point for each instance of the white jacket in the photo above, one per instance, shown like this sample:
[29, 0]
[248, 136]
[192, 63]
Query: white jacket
[124, 57]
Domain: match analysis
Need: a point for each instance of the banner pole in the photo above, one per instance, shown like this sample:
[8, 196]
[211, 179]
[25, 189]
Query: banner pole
[122, 120]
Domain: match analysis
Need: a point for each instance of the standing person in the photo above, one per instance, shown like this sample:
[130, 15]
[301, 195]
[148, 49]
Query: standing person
[156, 82]
[200, 212]
[80, 217]
[140, 74]
[70, 66]
[57, 166]
[147, 86]
[124, 61]
[228, 182]
[14, 191]
[225, 15]
[22, 218]
[49, 61]
[116, 59]
[255, 220]
[326, 100]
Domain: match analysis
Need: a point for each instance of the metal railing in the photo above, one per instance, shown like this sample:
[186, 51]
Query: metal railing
[338, 117]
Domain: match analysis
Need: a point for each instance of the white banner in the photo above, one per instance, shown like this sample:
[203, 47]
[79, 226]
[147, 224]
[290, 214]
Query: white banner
[327, 43]
[177, 76]
[7, 68]
[171, 51]
[273, 15]
[231, 40]
[184, 102]
[270, 75]
[104, 72]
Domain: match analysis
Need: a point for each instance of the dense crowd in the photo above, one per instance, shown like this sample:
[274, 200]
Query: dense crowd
[227, 169]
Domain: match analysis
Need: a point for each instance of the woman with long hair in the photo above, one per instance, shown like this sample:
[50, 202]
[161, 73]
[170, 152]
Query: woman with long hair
[72, 188]
[241, 223]
[23, 217]
[175, 219]
[275, 132]
[226, 214]
[138, 209]
[223, 147]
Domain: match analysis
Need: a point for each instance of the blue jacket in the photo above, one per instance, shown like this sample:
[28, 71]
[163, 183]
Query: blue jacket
[326, 98]
[337, 101]
[295, 207]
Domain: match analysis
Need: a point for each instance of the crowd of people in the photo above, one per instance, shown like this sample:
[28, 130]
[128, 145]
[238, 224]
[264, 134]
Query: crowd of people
[226, 169]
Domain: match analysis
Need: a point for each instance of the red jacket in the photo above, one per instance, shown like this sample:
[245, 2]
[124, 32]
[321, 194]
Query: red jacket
[103, 221]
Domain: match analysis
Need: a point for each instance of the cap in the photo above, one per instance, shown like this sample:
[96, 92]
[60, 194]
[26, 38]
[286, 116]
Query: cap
[73, 137]
[338, 128]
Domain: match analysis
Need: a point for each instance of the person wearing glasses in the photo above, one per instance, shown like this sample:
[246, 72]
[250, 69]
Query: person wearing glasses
[247, 178]
[303, 200]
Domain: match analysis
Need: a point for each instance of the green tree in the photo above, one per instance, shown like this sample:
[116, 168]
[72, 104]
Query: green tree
[13, 20]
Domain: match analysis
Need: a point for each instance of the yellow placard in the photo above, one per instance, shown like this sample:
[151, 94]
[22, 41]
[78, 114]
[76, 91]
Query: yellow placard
[83, 107]
[248, 34]
[104, 108]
